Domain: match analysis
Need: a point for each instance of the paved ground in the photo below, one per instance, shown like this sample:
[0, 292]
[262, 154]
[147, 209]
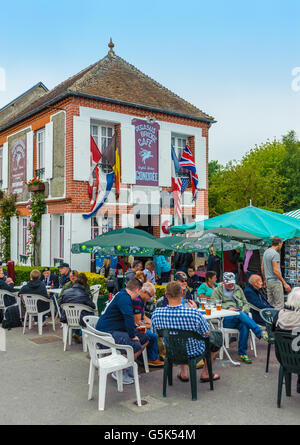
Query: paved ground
[41, 384]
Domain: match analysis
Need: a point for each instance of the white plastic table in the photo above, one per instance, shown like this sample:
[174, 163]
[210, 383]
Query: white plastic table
[220, 315]
[55, 293]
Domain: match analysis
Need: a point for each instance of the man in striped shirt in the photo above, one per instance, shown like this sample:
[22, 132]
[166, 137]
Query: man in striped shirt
[185, 318]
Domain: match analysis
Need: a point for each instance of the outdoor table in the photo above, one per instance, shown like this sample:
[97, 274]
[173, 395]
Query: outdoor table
[55, 293]
[219, 316]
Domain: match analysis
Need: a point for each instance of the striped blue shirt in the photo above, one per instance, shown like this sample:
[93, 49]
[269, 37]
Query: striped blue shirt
[185, 319]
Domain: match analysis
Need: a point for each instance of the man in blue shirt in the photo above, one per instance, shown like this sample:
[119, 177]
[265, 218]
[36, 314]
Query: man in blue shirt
[117, 319]
[256, 296]
[176, 316]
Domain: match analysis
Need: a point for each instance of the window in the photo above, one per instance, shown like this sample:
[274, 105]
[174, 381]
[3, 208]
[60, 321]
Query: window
[102, 135]
[95, 227]
[1, 166]
[179, 144]
[61, 236]
[40, 146]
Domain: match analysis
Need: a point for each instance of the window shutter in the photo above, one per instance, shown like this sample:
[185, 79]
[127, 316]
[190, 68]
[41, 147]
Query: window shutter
[81, 148]
[14, 238]
[128, 171]
[5, 166]
[49, 150]
[200, 160]
[164, 158]
[29, 156]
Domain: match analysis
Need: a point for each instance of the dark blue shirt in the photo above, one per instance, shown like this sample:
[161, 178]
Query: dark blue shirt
[118, 315]
[258, 298]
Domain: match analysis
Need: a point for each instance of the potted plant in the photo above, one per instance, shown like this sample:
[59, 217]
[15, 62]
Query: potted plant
[35, 185]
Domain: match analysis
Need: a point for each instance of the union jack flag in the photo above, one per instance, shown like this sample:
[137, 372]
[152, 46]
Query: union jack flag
[187, 161]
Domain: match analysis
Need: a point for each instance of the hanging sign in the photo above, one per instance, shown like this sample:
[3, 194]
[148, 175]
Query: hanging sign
[18, 165]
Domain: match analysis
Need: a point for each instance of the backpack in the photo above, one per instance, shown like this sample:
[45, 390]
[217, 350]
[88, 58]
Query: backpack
[11, 318]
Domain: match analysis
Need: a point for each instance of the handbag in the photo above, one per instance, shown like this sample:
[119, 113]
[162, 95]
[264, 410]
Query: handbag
[215, 340]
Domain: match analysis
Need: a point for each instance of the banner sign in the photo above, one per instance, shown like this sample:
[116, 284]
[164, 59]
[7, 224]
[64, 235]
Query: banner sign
[146, 152]
[18, 165]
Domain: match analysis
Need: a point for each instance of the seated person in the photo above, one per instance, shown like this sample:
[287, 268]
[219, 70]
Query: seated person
[256, 296]
[192, 279]
[149, 271]
[50, 279]
[181, 278]
[176, 316]
[77, 294]
[8, 285]
[118, 320]
[73, 277]
[140, 276]
[105, 269]
[288, 318]
[146, 293]
[137, 265]
[206, 289]
[233, 298]
[36, 287]
[64, 270]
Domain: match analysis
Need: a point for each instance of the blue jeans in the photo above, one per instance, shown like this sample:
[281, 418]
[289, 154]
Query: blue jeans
[243, 323]
[152, 347]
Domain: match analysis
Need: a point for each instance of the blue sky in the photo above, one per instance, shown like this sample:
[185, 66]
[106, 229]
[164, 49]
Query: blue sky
[232, 59]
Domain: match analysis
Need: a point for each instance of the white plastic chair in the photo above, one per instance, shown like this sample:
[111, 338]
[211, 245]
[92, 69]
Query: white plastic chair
[231, 331]
[12, 294]
[95, 292]
[112, 363]
[91, 322]
[73, 311]
[30, 302]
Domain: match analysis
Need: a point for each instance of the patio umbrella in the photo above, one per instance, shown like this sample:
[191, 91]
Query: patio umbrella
[257, 222]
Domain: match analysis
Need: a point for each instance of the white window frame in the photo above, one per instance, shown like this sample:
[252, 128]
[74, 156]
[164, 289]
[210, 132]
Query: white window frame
[101, 139]
[40, 140]
[179, 142]
[1, 166]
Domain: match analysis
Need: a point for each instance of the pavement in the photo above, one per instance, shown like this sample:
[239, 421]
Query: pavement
[43, 385]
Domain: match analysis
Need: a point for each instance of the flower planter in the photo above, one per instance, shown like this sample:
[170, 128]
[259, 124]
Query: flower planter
[36, 187]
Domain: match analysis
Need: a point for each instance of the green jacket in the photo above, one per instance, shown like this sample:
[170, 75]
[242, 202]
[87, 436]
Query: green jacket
[238, 295]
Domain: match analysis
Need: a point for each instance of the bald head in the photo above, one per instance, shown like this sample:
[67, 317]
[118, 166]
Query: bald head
[256, 281]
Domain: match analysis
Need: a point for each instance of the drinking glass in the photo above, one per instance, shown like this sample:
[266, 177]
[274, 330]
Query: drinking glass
[208, 308]
[219, 305]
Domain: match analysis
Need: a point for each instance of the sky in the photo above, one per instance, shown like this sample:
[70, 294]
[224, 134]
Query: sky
[235, 60]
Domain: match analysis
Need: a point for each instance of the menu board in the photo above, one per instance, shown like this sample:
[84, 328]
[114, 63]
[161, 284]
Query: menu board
[292, 261]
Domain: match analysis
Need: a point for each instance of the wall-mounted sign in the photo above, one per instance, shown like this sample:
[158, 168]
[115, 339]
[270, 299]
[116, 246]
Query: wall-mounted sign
[18, 165]
[146, 152]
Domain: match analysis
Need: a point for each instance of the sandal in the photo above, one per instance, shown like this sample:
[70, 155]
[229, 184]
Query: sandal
[182, 379]
[205, 380]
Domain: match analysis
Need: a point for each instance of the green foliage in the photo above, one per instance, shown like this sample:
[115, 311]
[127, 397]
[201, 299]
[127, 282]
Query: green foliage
[291, 169]
[22, 273]
[94, 278]
[260, 177]
[37, 207]
[7, 210]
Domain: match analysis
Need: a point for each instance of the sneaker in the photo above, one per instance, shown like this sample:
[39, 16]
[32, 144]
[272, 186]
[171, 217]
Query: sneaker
[126, 379]
[265, 336]
[245, 358]
[77, 338]
[155, 363]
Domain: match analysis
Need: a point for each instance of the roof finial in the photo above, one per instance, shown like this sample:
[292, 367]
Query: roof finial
[111, 45]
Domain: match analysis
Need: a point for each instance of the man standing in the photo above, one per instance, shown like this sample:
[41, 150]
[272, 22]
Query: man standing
[64, 270]
[273, 280]
[117, 319]
[256, 296]
[233, 298]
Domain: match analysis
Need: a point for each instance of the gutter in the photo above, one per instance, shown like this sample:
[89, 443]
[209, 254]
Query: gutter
[103, 99]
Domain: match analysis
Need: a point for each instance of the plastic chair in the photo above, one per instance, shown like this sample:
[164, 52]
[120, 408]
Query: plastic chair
[31, 311]
[268, 316]
[95, 292]
[114, 362]
[231, 331]
[176, 342]
[287, 350]
[12, 294]
[91, 323]
[73, 312]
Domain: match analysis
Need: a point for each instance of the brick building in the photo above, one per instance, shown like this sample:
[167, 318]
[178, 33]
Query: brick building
[54, 128]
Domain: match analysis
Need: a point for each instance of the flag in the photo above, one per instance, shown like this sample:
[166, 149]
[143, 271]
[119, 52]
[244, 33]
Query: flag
[95, 158]
[176, 185]
[107, 181]
[187, 161]
[112, 157]
[117, 170]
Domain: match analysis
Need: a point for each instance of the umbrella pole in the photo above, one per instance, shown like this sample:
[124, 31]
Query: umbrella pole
[123, 285]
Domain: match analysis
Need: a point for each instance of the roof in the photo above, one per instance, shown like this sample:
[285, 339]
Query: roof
[17, 106]
[294, 213]
[115, 80]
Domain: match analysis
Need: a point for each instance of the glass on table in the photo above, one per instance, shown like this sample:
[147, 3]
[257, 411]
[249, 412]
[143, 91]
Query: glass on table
[208, 308]
[219, 305]
[203, 302]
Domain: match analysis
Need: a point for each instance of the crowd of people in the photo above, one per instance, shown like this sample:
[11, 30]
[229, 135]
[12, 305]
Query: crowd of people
[133, 315]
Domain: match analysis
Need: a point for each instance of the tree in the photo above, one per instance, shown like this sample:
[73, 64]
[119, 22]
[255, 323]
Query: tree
[291, 169]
